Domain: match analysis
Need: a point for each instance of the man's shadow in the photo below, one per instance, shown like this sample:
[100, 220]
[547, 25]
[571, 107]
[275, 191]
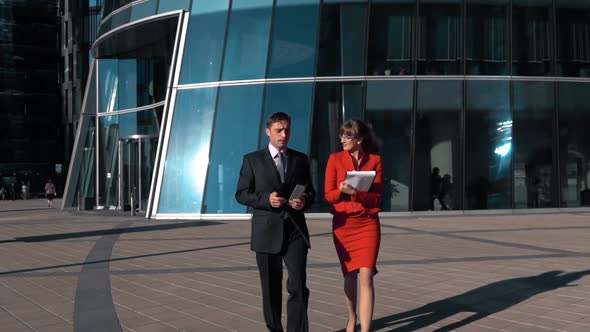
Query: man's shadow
[482, 302]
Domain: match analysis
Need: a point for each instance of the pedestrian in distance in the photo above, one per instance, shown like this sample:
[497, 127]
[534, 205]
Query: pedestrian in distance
[50, 192]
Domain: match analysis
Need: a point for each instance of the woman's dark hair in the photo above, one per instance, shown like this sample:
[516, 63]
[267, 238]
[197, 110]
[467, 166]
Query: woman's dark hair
[358, 129]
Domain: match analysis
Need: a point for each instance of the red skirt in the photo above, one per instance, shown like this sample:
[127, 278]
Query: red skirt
[357, 241]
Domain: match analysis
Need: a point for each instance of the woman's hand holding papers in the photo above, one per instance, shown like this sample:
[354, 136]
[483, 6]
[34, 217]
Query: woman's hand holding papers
[347, 189]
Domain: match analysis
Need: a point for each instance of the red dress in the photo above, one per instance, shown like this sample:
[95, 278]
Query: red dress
[355, 226]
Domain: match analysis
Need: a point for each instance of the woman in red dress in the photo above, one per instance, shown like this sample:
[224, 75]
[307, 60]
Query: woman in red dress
[355, 225]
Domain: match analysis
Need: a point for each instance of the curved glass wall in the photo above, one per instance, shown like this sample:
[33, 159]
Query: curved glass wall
[119, 13]
[463, 86]
[206, 31]
[246, 46]
[188, 152]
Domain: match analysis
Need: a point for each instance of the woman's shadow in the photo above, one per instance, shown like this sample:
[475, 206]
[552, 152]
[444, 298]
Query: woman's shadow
[482, 302]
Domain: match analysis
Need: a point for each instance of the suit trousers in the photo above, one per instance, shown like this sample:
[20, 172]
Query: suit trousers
[270, 266]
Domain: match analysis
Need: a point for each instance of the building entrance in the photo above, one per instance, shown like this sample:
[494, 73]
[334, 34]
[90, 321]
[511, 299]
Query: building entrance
[137, 154]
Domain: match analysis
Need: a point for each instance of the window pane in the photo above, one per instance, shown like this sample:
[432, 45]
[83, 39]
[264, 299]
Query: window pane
[391, 46]
[342, 42]
[487, 37]
[488, 145]
[574, 143]
[389, 110]
[438, 133]
[573, 38]
[247, 40]
[143, 9]
[120, 18]
[87, 177]
[145, 122]
[334, 103]
[108, 75]
[204, 42]
[108, 159]
[441, 38]
[294, 99]
[170, 5]
[532, 37]
[535, 177]
[294, 38]
[237, 124]
[127, 87]
[188, 152]
[130, 83]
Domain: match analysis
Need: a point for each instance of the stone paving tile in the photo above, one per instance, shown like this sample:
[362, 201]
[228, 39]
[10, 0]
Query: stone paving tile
[204, 278]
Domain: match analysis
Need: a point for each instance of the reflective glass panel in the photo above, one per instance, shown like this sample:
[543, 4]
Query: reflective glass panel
[127, 87]
[295, 100]
[87, 176]
[437, 146]
[237, 125]
[391, 37]
[111, 5]
[145, 122]
[488, 145]
[108, 82]
[293, 40]
[389, 110]
[532, 38]
[83, 167]
[130, 83]
[535, 168]
[170, 5]
[334, 103]
[120, 18]
[108, 159]
[574, 143]
[143, 9]
[204, 42]
[573, 37]
[188, 151]
[487, 35]
[343, 34]
[247, 40]
[440, 48]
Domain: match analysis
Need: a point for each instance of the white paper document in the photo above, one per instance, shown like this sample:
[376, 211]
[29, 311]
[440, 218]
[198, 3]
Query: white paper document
[360, 180]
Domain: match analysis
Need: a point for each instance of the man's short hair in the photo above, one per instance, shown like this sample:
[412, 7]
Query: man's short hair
[277, 117]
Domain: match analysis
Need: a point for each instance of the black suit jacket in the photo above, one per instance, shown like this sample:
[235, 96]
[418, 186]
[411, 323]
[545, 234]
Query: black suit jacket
[258, 179]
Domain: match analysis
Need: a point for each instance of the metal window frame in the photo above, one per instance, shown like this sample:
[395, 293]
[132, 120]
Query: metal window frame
[167, 116]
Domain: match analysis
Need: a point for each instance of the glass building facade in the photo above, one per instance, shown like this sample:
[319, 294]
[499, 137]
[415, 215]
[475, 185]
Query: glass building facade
[493, 93]
[31, 149]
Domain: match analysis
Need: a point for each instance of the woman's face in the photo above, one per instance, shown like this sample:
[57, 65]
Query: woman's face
[350, 143]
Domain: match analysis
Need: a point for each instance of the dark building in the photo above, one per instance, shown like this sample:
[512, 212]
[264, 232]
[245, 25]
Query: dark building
[493, 93]
[31, 140]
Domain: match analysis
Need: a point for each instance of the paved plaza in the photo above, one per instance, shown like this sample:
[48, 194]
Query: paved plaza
[91, 271]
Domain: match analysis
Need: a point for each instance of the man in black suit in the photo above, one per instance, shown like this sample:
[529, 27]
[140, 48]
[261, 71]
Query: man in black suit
[279, 231]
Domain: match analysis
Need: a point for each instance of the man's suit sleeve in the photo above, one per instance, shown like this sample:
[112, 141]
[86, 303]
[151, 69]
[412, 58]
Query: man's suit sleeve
[246, 193]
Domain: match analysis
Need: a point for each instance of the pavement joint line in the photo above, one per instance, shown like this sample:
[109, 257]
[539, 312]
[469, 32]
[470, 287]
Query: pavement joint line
[309, 266]
[487, 241]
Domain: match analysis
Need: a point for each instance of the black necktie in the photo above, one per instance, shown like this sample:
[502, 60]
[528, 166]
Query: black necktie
[283, 166]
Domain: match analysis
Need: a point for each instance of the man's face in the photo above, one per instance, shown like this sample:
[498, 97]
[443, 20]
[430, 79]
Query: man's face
[278, 134]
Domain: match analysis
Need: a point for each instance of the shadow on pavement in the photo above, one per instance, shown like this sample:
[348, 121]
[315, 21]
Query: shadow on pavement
[74, 235]
[482, 302]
